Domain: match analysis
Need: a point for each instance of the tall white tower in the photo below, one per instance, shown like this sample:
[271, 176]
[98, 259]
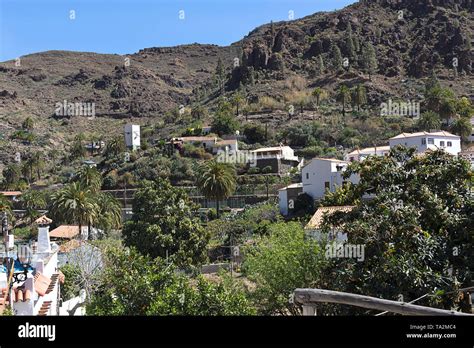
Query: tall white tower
[132, 136]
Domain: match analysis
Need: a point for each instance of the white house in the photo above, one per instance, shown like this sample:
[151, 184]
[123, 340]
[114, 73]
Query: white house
[423, 141]
[280, 152]
[287, 197]
[206, 142]
[34, 288]
[361, 154]
[323, 174]
[280, 158]
[132, 136]
[230, 146]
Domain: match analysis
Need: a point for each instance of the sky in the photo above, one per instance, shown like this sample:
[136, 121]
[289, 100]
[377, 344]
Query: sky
[126, 26]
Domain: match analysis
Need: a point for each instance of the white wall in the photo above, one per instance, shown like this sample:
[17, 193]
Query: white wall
[437, 140]
[283, 201]
[318, 172]
[132, 136]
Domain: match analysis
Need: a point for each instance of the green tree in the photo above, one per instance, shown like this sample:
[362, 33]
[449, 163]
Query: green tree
[369, 59]
[429, 120]
[224, 123]
[359, 96]
[318, 93]
[77, 149]
[216, 181]
[32, 201]
[164, 225]
[416, 230]
[462, 127]
[115, 147]
[75, 204]
[12, 174]
[134, 284]
[344, 97]
[237, 100]
[280, 262]
[198, 112]
[109, 214]
[89, 177]
[254, 133]
[336, 57]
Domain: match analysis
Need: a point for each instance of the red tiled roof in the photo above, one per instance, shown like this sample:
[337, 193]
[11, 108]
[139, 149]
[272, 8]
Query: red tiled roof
[21, 295]
[319, 215]
[10, 193]
[65, 231]
[41, 283]
[43, 220]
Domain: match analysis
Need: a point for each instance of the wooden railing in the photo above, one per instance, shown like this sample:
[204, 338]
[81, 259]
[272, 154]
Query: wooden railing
[309, 298]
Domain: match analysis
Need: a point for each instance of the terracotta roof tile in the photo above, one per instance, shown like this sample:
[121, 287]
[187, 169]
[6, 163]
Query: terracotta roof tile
[41, 283]
[318, 217]
[65, 231]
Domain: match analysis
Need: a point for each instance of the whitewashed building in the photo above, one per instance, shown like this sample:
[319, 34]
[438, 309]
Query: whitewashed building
[230, 146]
[323, 174]
[280, 158]
[423, 141]
[132, 136]
[34, 288]
[287, 197]
[360, 154]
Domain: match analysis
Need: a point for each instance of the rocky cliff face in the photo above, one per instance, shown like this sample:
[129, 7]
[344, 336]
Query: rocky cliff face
[411, 38]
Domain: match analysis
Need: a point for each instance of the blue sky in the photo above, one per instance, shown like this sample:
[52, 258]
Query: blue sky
[125, 26]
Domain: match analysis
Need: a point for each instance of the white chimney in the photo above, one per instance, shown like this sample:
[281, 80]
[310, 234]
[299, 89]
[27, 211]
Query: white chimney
[44, 243]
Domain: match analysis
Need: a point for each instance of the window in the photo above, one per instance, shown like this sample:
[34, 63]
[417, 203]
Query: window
[326, 184]
[307, 176]
[450, 144]
[423, 141]
[441, 143]
[431, 141]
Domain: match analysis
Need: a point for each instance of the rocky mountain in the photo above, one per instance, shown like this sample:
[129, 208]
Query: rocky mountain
[410, 38]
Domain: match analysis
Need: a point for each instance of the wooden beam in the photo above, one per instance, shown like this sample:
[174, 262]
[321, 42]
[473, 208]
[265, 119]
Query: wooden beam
[307, 297]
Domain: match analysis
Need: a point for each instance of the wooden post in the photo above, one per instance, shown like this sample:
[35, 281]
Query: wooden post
[308, 297]
[309, 310]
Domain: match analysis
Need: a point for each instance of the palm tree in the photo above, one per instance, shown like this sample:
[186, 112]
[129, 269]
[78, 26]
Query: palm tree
[114, 147]
[31, 201]
[216, 180]
[318, 93]
[89, 177]
[428, 121]
[236, 101]
[110, 212]
[344, 96]
[462, 127]
[4, 204]
[359, 96]
[75, 204]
